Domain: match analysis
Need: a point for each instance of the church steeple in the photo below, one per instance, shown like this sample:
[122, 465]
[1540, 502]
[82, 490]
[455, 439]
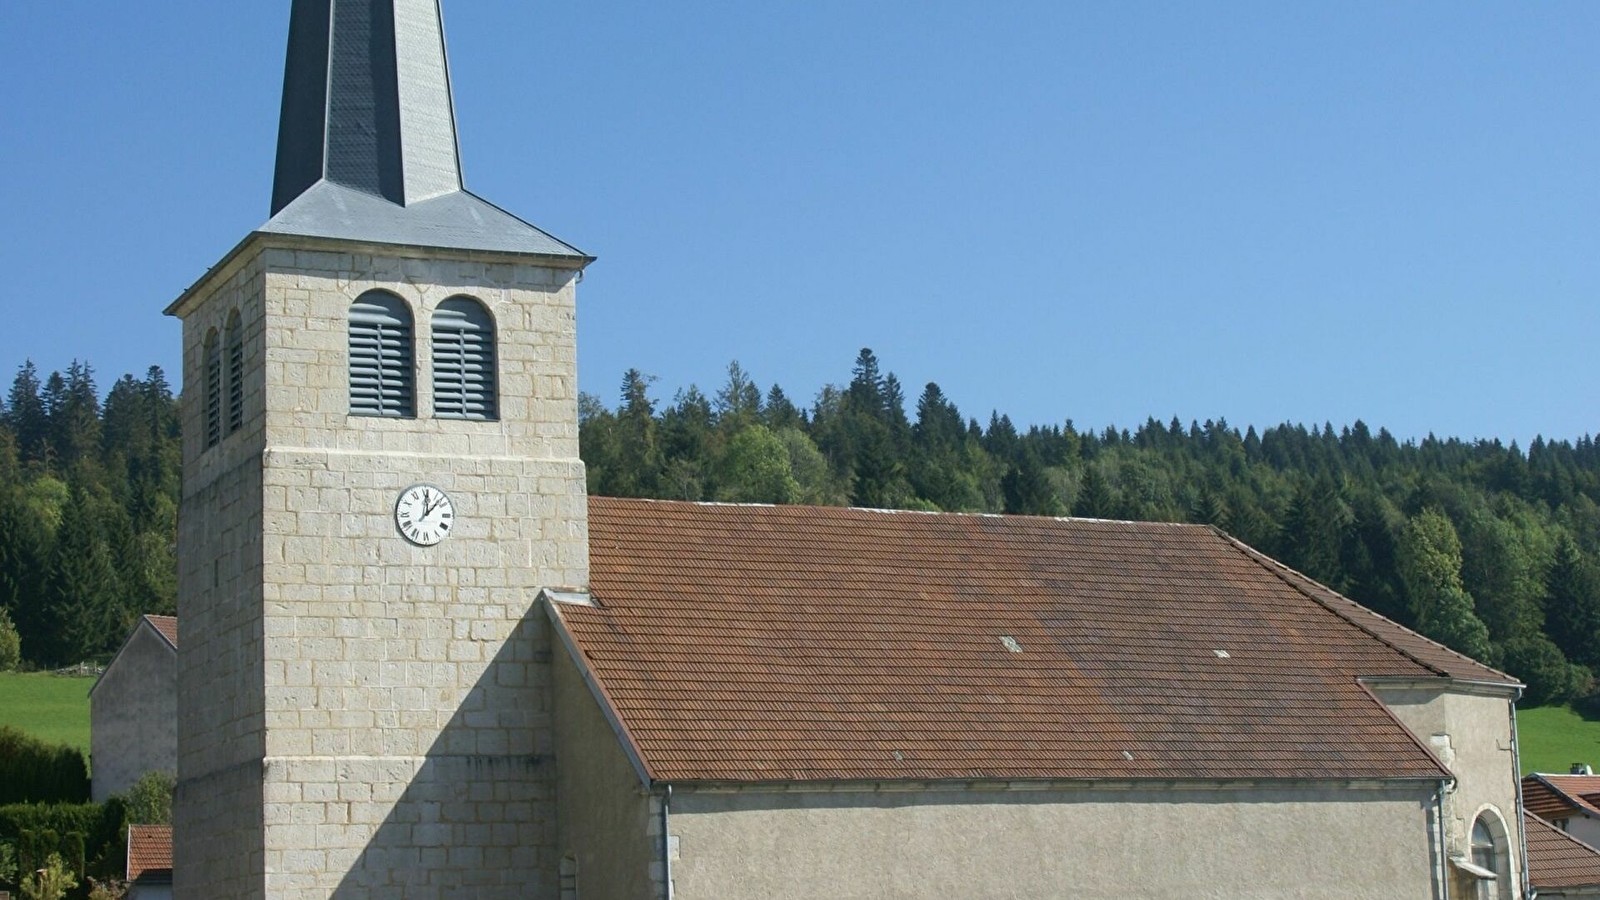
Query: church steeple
[366, 102]
[367, 147]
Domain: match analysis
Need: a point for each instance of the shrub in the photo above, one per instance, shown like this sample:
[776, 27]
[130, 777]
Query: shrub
[90, 837]
[10, 644]
[32, 771]
[107, 889]
[149, 800]
[1539, 664]
[51, 882]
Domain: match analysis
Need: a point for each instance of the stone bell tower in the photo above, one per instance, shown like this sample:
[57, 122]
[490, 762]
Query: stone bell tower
[380, 475]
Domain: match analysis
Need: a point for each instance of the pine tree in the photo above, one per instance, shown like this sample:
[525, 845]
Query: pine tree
[1572, 604]
[894, 407]
[1315, 530]
[639, 459]
[939, 426]
[1028, 490]
[80, 591]
[688, 442]
[866, 385]
[25, 414]
[780, 413]
[23, 560]
[738, 403]
[1209, 508]
[74, 415]
[1096, 499]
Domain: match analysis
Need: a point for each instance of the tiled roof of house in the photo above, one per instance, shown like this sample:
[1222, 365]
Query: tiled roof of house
[167, 625]
[1557, 859]
[751, 644]
[1558, 796]
[149, 851]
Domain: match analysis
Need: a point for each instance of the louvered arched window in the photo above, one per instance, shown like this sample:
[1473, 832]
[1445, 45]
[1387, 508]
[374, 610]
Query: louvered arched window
[463, 361]
[213, 377]
[382, 358]
[235, 353]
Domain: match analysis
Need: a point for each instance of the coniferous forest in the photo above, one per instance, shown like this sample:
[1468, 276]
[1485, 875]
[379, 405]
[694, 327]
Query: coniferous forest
[1492, 549]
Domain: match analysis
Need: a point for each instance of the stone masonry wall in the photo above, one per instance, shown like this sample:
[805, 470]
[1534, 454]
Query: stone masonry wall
[217, 839]
[408, 743]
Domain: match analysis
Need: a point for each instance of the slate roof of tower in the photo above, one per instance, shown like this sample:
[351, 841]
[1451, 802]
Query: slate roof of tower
[367, 142]
[771, 644]
[1557, 859]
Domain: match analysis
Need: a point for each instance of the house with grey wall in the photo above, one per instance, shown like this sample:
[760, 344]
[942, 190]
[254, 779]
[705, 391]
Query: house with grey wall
[133, 720]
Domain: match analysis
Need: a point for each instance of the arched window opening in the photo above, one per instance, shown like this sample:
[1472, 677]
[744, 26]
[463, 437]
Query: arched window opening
[235, 342]
[1489, 854]
[213, 379]
[382, 357]
[464, 361]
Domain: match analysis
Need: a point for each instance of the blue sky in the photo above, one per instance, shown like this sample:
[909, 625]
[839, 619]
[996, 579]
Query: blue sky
[1263, 211]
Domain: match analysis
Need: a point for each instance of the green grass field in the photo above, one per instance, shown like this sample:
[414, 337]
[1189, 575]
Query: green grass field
[1554, 737]
[49, 708]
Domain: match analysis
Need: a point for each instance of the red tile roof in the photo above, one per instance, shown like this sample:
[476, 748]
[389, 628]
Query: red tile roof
[1558, 796]
[1557, 859]
[149, 851]
[1432, 654]
[167, 625]
[748, 643]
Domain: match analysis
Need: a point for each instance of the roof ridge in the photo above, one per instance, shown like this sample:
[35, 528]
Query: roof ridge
[1295, 579]
[1574, 800]
[963, 514]
[511, 215]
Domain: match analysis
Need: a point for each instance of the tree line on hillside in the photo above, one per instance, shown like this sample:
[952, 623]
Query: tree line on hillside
[1482, 546]
[88, 510]
[1489, 548]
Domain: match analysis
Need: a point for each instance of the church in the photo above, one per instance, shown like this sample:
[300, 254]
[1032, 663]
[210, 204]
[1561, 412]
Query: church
[418, 661]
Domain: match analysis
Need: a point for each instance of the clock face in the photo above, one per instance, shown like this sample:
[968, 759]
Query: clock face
[424, 515]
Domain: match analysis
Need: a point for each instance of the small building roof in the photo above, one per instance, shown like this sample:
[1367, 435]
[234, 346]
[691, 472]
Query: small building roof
[1557, 859]
[772, 644]
[1559, 796]
[150, 852]
[166, 625]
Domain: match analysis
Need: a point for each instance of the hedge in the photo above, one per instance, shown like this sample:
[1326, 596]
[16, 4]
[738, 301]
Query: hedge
[32, 771]
[91, 837]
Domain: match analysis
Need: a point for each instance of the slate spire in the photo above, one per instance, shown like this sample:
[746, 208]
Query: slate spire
[366, 102]
[367, 146]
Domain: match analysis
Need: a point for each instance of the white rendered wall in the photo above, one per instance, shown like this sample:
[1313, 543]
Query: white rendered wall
[1470, 732]
[1152, 844]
